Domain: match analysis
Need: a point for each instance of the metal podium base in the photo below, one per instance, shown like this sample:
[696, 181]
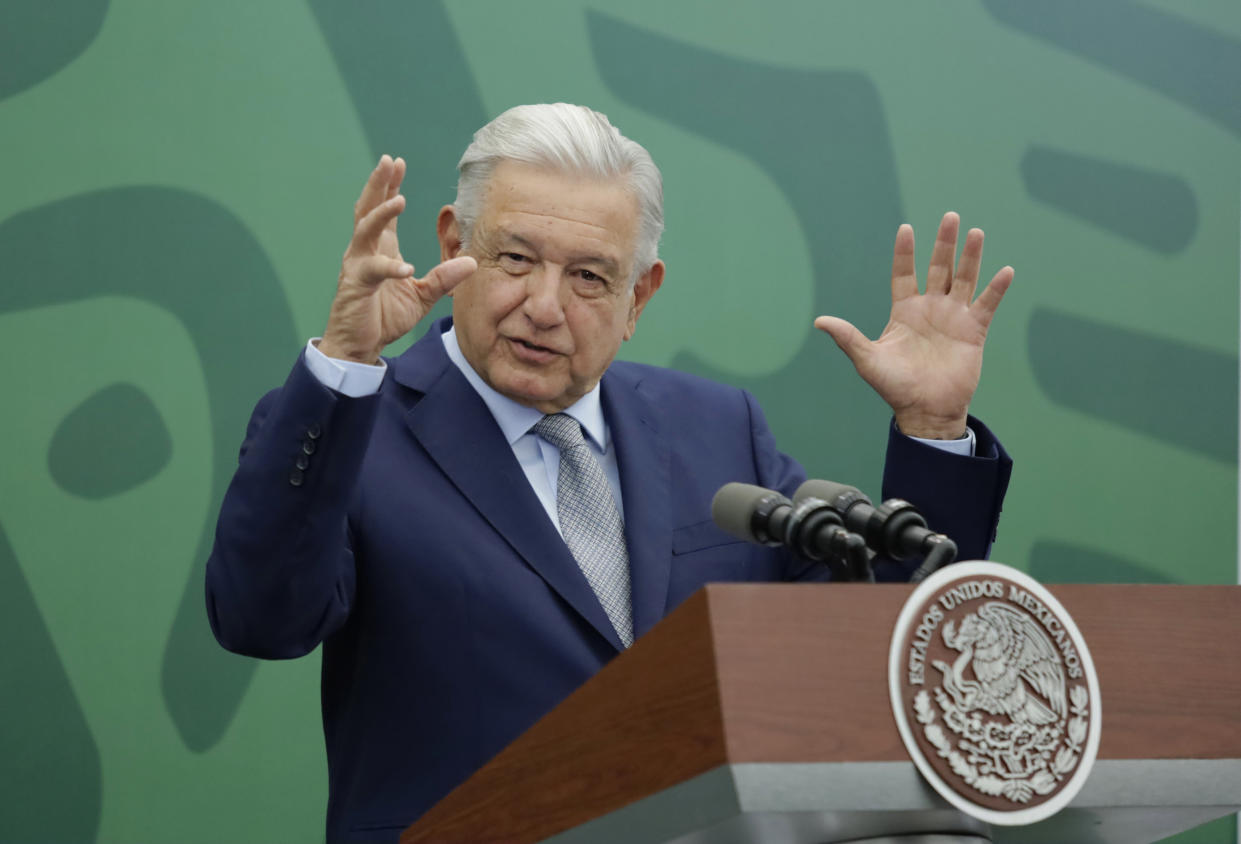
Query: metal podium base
[1123, 802]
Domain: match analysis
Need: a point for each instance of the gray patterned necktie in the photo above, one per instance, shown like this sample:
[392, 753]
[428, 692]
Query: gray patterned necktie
[590, 521]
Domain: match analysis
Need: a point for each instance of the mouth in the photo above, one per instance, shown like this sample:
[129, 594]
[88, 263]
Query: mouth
[526, 350]
[533, 346]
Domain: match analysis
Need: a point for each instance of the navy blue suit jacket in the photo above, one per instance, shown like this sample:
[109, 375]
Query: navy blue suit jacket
[451, 614]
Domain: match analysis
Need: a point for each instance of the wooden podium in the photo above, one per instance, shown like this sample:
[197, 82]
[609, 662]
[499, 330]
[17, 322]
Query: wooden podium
[760, 713]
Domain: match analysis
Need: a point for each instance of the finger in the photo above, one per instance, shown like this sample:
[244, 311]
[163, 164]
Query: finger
[939, 273]
[904, 273]
[394, 187]
[395, 178]
[375, 190]
[851, 341]
[369, 228]
[985, 305]
[966, 282]
[442, 279]
[374, 269]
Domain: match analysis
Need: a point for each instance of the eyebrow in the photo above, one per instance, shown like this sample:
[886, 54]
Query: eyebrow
[606, 264]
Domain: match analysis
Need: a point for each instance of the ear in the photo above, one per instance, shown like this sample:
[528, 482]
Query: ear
[448, 230]
[643, 289]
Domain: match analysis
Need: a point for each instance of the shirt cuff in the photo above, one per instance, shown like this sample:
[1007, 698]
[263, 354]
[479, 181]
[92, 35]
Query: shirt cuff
[963, 446]
[347, 377]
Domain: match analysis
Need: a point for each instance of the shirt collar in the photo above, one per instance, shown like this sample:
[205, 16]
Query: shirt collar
[516, 420]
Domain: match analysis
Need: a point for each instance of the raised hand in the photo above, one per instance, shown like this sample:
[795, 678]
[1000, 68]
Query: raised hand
[377, 297]
[927, 362]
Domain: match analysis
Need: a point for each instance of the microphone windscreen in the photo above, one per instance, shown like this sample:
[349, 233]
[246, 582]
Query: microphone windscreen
[827, 491]
[734, 505]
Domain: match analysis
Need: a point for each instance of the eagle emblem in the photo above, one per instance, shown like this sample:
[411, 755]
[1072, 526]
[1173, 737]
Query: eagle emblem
[1018, 672]
[995, 693]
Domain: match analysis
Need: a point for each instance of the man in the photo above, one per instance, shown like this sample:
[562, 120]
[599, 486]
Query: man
[423, 518]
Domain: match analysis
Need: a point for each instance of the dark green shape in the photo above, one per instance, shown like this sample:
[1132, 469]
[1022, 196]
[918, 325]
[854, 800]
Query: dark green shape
[110, 443]
[1052, 561]
[1195, 66]
[415, 96]
[50, 775]
[822, 139]
[39, 38]
[1153, 209]
[182, 252]
[1176, 393]
[1221, 831]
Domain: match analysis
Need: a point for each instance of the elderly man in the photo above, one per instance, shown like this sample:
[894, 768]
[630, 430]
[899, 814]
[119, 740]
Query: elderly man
[476, 527]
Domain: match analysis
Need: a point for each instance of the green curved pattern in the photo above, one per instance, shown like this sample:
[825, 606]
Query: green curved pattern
[414, 94]
[192, 257]
[1064, 562]
[1168, 390]
[37, 39]
[177, 184]
[109, 444]
[1154, 210]
[50, 756]
[1194, 65]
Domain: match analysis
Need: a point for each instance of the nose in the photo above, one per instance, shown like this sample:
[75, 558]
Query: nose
[542, 304]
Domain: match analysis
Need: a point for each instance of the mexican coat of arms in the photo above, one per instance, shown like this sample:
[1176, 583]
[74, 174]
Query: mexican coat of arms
[994, 693]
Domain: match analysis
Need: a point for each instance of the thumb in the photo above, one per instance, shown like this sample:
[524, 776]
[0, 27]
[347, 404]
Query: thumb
[447, 275]
[851, 341]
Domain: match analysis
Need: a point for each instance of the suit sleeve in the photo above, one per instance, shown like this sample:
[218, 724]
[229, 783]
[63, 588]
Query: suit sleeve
[281, 578]
[960, 497]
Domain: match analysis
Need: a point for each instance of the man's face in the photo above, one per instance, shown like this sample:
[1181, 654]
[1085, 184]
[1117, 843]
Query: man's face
[547, 309]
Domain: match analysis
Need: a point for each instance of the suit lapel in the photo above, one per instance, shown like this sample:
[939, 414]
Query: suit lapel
[643, 458]
[458, 431]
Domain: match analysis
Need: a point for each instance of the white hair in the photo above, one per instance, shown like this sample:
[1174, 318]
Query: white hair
[568, 138]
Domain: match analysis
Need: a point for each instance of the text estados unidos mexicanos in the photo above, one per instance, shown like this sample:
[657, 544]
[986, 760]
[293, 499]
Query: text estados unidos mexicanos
[973, 590]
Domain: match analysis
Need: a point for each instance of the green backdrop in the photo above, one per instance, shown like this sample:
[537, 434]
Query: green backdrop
[175, 194]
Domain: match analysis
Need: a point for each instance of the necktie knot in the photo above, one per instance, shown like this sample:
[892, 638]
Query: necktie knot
[561, 430]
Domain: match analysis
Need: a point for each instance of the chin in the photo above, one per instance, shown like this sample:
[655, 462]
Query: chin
[529, 394]
[521, 385]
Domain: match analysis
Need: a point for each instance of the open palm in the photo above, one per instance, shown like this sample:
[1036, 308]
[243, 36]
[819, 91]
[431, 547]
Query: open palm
[927, 362]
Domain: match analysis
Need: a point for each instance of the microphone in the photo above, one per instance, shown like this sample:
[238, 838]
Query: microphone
[753, 513]
[894, 528]
[810, 528]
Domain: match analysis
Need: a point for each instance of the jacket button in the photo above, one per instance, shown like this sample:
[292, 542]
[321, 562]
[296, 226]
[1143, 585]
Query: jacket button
[308, 447]
[314, 431]
[296, 477]
[303, 462]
